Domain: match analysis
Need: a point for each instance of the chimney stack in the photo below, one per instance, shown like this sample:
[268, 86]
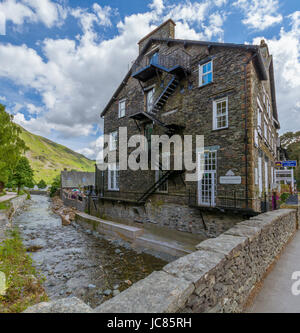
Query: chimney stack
[165, 30]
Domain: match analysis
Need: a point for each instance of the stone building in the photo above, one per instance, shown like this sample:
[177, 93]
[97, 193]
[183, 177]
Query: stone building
[222, 91]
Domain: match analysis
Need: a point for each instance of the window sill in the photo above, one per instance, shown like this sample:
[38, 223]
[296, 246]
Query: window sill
[220, 129]
[205, 85]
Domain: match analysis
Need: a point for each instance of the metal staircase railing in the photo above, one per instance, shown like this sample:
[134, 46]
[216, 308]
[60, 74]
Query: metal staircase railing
[157, 184]
[167, 92]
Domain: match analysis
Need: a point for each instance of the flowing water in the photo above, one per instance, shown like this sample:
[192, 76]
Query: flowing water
[77, 262]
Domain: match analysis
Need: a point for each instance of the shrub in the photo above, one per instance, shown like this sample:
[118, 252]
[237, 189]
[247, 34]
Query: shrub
[55, 186]
[42, 184]
[284, 196]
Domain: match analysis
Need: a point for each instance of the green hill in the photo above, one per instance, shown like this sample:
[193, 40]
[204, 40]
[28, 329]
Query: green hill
[48, 158]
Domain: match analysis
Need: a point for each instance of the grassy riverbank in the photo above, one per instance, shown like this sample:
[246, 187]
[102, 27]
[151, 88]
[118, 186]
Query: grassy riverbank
[24, 285]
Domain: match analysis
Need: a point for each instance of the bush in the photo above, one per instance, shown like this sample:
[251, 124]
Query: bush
[55, 186]
[284, 197]
[42, 184]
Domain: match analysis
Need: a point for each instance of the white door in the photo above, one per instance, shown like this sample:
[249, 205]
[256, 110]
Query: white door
[207, 186]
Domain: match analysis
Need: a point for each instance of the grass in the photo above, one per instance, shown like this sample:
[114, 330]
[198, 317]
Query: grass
[48, 158]
[4, 205]
[24, 284]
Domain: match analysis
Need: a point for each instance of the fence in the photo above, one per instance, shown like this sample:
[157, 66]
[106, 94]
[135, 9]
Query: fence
[168, 61]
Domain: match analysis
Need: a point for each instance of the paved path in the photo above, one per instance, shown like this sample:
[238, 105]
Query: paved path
[8, 196]
[276, 295]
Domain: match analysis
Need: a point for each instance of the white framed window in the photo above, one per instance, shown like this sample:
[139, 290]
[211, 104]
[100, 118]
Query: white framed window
[266, 176]
[259, 117]
[122, 108]
[113, 177]
[150, 99]
[255, 138]
[220, 113]
[207, 186]
[113, 141]
[256, 176]
[266, 129]
[260, 183]
[205, 73]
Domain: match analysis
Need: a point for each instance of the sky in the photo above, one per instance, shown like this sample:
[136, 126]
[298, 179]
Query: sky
[61, 60]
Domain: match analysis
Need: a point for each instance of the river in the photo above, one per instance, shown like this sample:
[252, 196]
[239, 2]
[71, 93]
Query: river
[78, 262]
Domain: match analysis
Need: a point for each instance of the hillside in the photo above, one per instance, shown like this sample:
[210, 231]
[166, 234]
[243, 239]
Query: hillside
[48, 158]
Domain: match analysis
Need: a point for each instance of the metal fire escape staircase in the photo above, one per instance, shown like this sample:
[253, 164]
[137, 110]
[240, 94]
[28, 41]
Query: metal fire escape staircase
[167, 92]
[177, 66]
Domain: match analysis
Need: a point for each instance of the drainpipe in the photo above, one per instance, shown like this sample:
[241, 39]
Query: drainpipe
[246, 127]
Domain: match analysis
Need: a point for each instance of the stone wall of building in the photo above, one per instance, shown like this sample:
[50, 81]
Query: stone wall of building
[219, 277]
[75, 179]
[176, 216]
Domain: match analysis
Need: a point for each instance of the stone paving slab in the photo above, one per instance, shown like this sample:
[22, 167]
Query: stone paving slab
[276, 294]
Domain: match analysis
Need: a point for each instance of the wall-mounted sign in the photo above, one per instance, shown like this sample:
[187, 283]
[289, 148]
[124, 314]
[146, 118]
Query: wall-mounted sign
[284, 164]
[230, 178]
[289, 164]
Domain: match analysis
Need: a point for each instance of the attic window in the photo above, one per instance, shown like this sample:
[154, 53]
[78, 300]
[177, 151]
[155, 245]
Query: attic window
[122, 108]
[205, 73]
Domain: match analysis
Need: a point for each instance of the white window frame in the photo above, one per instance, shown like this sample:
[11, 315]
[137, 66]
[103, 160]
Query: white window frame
[266, 129]
[260, 179]
[113, 141]
[215, 117]
[148, 108]
[122, 108]
[259, 117]
[266, 176]
[255, 138]
[201, 74]
[210, 160]
[113, 172]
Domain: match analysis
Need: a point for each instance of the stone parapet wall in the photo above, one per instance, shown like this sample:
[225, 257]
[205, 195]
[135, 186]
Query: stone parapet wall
[219, 277]
[16, 204]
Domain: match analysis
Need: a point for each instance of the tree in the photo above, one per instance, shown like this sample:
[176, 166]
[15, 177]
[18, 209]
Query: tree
[291, 142]
[11, 146]
[42, 184]
[55, 186]
[23, 173]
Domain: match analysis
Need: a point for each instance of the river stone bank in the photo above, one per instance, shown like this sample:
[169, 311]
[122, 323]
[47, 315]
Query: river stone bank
[77, 262]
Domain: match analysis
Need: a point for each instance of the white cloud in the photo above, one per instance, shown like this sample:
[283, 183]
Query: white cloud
[93, 150]
[33, 11]
[286, 54]
[158, 6]
[260, 14]
[33, 109]
[3, 98]
[76, 78]
[103, 14]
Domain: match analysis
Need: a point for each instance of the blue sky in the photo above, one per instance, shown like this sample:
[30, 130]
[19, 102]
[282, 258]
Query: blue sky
[61, 60]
